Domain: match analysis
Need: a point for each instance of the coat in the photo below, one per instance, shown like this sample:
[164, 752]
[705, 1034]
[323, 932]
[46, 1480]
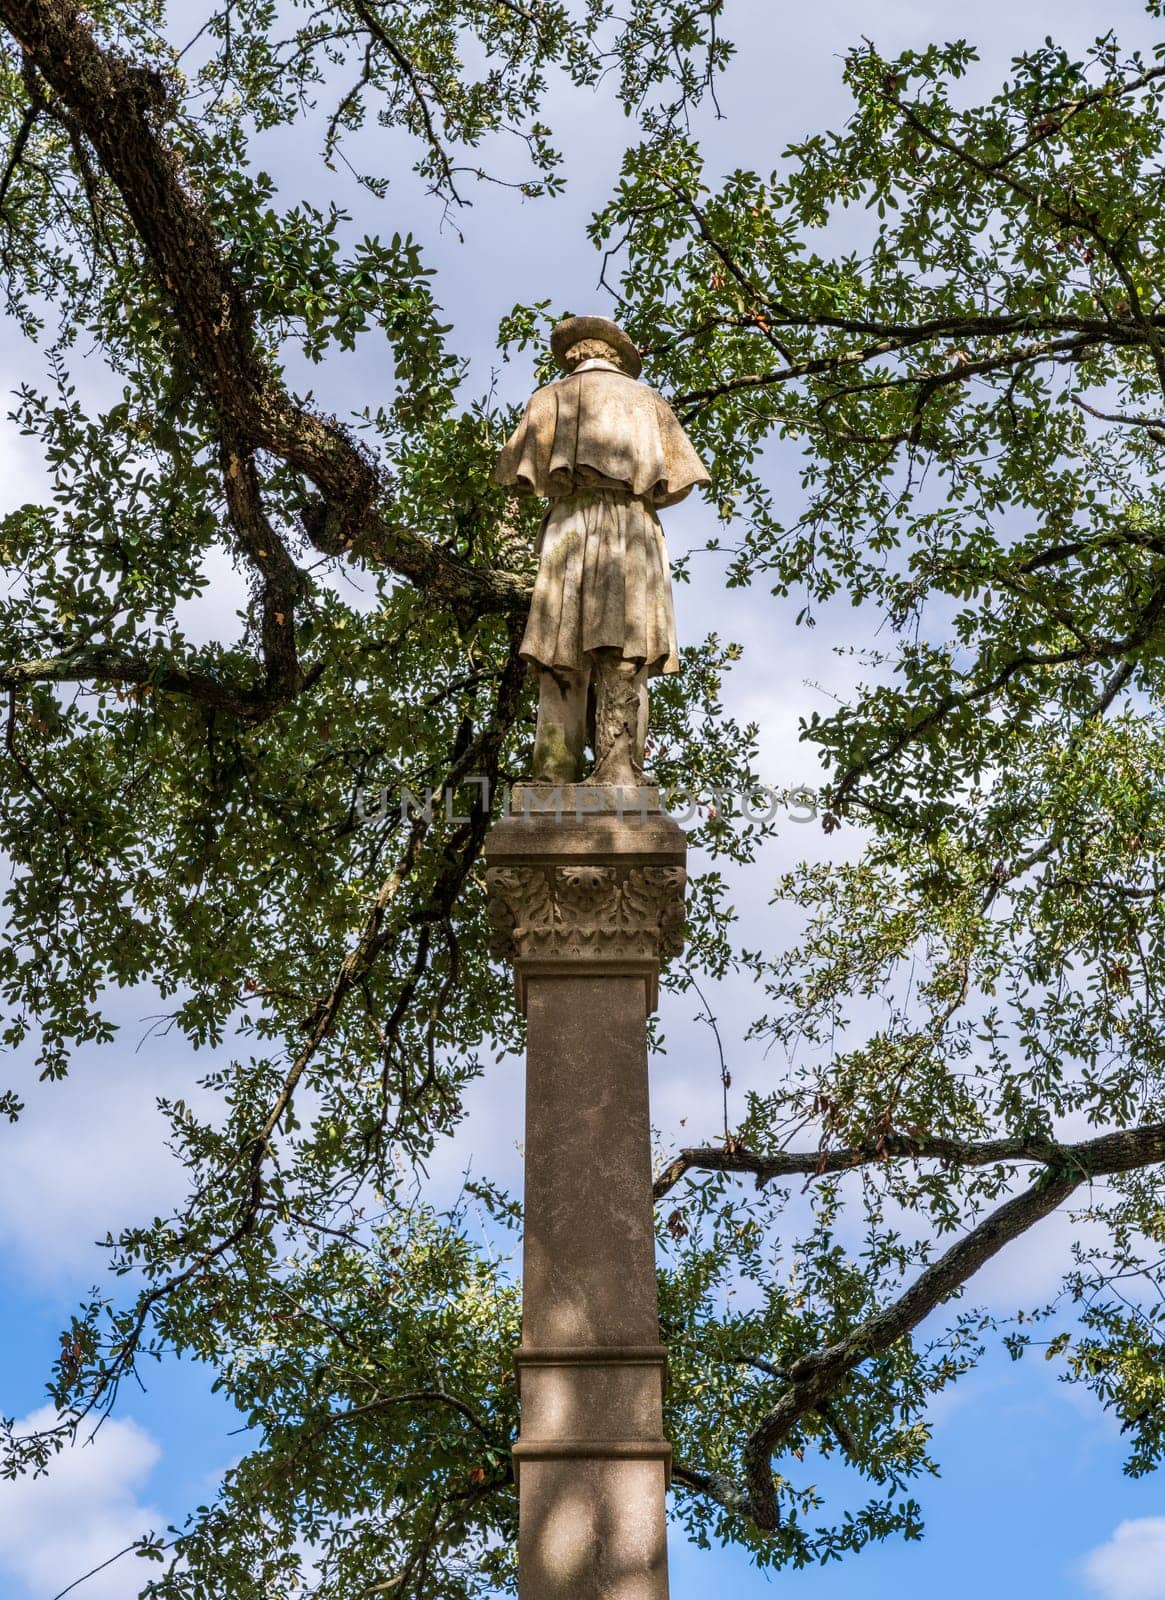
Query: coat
[607, 451]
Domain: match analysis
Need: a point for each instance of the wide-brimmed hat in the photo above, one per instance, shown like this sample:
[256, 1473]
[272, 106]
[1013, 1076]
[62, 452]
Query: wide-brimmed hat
[574, 329]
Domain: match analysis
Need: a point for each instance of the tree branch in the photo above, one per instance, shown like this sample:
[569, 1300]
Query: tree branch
[16, 154]
[1123, 1151]
[437, 1397]
[1075, 218]
[109, 664]
[481, 754]
[1153, 426]
[120, 105]
[1145, 626]
[715, 1485]
[817, 1376]
[283, 583]
[406, 64]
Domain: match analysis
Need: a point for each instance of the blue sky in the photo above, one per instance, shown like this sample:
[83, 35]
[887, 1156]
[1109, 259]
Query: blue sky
[1032, 1499]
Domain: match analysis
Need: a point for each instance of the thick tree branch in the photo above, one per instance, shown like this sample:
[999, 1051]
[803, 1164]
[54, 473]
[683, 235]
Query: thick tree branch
[283, 583]
[1110, 1153]
[120, 106]
[16, 154]
[107, 664]
[814, 1378]
[714, 1485]
[817, 1376]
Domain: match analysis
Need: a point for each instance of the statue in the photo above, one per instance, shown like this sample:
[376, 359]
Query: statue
[608, 452]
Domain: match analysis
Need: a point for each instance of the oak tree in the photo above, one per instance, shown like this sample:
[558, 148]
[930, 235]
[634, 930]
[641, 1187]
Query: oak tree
[951, 311]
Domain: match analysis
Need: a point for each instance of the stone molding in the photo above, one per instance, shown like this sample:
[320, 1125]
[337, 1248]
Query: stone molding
[550, 912]
[588, 1450]
[591, 1355]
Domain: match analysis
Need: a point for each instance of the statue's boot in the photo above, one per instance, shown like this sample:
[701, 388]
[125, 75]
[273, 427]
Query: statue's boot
[641, 731]
[562, 725]
[620, 721]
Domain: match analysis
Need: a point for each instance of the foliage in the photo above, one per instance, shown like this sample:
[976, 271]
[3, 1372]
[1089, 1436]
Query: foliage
[953, 308]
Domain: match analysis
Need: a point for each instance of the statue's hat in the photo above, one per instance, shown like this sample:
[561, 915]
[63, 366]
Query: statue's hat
[575, 328]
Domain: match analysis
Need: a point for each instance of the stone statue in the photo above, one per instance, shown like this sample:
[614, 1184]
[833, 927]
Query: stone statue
[608, 452]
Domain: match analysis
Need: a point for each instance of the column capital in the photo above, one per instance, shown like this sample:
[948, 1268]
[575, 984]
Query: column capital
[586, 889]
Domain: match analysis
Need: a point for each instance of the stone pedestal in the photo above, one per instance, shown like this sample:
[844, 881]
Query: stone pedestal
[586, 891]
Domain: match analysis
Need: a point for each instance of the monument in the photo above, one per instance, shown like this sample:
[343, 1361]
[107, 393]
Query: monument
[586, 888]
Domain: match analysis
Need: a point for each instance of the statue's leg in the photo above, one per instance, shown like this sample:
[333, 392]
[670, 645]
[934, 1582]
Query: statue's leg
[641, 724]
[619, 726]
[562, 725]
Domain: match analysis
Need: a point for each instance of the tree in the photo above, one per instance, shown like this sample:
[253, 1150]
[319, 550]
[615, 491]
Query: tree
[970, 1023]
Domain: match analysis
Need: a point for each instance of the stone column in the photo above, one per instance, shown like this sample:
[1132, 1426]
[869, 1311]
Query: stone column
[586, 890]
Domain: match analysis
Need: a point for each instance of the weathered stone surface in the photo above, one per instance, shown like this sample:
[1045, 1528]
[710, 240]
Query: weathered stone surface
[587, 897]
[609, 912]
[592, 1528]
[607, 452]
[605, 888]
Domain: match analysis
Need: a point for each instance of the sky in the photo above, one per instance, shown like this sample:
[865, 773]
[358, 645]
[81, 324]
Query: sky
[1031, 1499]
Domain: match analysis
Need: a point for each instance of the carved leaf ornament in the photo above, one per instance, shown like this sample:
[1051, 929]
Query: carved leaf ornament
[611, 912]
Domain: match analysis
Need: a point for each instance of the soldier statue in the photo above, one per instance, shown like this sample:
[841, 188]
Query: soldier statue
[608, 453]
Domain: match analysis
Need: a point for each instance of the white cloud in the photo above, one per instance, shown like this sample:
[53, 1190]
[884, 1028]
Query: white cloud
[1131, 1565]
[86, 1156]
[56, 1528]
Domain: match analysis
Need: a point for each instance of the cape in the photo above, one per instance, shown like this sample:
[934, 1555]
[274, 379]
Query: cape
[600, 429]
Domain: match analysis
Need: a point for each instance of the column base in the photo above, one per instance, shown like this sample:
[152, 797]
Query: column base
[593, 1527]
